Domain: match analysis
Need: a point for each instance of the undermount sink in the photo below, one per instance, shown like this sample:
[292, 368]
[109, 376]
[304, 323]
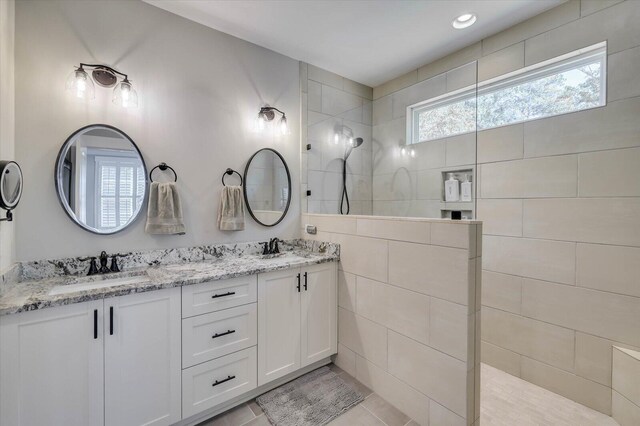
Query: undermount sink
[93, 285]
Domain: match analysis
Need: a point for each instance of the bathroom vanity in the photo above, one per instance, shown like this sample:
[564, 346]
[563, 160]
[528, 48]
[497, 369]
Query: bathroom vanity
[199, 331]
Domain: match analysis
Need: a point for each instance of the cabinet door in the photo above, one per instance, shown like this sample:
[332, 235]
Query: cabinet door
[278, 324]
[318, 311]
[51, 366]
[142, 358]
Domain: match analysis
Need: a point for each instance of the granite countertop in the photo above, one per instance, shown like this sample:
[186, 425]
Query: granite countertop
[31, 288]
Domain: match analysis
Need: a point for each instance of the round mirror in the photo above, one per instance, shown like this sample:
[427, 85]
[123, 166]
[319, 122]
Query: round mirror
[10, 184]
[267, 187]
[101, 179]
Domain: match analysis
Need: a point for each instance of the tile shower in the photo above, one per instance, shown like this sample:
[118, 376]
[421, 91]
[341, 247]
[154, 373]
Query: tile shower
[559, 197]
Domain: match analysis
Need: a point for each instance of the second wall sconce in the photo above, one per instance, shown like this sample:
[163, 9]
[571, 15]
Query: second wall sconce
[80, 84]
[267, 114]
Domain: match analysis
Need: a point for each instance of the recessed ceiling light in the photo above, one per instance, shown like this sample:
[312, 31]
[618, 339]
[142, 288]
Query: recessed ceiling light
[464, 21]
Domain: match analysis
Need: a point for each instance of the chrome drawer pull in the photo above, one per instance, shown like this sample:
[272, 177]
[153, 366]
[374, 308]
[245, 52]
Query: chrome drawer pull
[215, 296]
[223, 380]
[222, 334]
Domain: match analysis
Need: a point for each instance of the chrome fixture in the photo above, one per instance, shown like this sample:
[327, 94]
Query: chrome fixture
[81, 85]
[267, 114]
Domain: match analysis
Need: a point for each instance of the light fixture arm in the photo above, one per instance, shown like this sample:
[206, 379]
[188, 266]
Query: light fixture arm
[126, 78]
[270, 108]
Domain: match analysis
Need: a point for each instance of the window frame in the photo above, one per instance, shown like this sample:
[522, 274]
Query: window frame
[539, 70]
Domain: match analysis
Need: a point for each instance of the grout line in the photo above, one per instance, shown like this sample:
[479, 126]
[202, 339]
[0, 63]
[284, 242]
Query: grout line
[373, 414]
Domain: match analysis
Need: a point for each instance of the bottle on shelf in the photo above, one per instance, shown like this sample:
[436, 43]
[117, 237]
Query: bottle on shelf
[451, 189]
[465, 192]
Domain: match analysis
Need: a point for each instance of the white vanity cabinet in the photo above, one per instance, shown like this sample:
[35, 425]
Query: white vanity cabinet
[142, 359]
[297, 319]
[104, 362]
[51, 366]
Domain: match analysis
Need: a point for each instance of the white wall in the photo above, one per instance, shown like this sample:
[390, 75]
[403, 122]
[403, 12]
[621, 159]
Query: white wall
[7, 14]
[199, 93]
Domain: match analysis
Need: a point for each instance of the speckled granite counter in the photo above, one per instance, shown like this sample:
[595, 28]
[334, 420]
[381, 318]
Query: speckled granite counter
[36, 285]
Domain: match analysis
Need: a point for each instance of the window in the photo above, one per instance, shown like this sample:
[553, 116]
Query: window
[121, 183]
[572, 82]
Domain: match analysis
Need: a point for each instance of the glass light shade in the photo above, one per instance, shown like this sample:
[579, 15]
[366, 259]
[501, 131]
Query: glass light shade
[261, 122]
[125, 95]
[80, 85]
[284, 128]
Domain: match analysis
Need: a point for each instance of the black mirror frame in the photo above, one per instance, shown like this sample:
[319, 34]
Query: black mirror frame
[60, 192]
[244, 187]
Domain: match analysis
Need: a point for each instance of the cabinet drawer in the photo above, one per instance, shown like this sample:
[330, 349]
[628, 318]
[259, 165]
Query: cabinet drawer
[210, 336]
[206, 385]
[215, 295]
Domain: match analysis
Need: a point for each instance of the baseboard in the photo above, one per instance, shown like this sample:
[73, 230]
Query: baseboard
[212, 412]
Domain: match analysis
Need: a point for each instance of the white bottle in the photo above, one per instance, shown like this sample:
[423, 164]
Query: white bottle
[451, 189]
[465, 192]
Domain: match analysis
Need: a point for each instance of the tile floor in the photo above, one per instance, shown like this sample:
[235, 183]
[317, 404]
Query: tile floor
[505, 401]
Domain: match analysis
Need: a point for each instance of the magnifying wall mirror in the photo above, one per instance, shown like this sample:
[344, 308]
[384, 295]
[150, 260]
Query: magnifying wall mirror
[101, 179]
[267, 187]
[10, 186]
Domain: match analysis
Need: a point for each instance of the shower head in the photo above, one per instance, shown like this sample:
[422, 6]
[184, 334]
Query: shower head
[353, 143]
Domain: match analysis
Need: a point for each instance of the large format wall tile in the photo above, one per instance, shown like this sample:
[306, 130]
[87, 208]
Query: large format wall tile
[501, 144]
[609, 268]
[581, 390]
[437, 271]
[454, 235]
[541, 259]
[608, 315]
[441, 66]
[610, 173]
[393, 390]
[536, 339]
[626, 372]
[623, 80]
[440, 376]
[587, 7]
[540, 177]
[501, 62]
[363, 336]
[613, 126]
[501, 358]
[624, 411]
[590, 220]
[450, 326]
[403, 230]
[347, 290]
[335, 102]
[500, 217]
[417, 93]
[401, 310]
[502, 291]
[362, 256]
[617, 25]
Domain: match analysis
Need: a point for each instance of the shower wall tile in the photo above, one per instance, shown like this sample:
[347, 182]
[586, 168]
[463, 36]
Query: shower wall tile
[314, 94]
[325, 77]
[382, 110]
[569, 385]
[365, 337]
[461, 77]
[449, 62]
[587, 7]
[335, 101]
[501, 358]
[403, 311]
[540, 177]
[610, 127]
[626, 371]
[500, 217]
[539, 340]
[502, 291]
[396, 84]
[609, 173]
[357, 89]
[623, 80]
[405, 303]
[594, 357]
[501, 62]
[501, 144]
[540, 259]
[394, 186]
[589, 220]
[416, 93]
[461, 150]
[603, 314]
[609, 268]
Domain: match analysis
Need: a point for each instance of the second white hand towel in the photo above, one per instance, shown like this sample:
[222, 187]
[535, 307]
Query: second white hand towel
[231, 210]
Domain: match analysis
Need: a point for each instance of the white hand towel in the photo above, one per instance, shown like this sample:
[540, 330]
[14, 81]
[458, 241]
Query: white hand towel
[231, 210]
[164, 215]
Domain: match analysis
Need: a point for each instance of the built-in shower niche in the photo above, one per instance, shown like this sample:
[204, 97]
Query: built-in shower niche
[466, 207]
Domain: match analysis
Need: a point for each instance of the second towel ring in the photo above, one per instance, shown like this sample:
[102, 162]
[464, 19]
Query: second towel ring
[230, 172]
[163, 167]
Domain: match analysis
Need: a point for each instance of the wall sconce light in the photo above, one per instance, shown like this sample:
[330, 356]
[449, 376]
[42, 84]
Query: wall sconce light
[267, 114]
[408, 151]
[81, 85]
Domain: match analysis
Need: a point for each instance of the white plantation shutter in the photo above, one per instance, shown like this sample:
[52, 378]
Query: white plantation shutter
[120, 190]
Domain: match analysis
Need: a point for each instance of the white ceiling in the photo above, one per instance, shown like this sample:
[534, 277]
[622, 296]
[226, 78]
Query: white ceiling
[369, 41]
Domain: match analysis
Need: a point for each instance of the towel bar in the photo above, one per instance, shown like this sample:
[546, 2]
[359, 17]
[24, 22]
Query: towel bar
[230, 172]
[163, 166]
